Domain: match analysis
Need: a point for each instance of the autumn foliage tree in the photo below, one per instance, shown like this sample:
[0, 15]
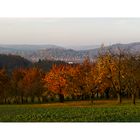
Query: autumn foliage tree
[33, 83]
[71, 75]
[133, 76]
[55, 81]
[120, 71]
[83, 77]
[26, 83]
[4, 85]
[17, 85]
[116, 67]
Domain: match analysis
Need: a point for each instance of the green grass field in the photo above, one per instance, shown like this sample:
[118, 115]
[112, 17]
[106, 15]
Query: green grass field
[80, 111]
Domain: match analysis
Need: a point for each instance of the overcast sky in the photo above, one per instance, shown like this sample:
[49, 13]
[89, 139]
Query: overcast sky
[69, 31]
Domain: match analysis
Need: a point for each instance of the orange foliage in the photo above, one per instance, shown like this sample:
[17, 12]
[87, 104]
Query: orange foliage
[55, 80]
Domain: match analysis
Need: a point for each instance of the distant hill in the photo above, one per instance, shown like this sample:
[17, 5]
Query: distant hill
[132, 47]
[53, 52]
[10, 62]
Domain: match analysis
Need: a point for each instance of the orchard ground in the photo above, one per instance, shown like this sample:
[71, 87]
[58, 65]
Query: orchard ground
[72, 111]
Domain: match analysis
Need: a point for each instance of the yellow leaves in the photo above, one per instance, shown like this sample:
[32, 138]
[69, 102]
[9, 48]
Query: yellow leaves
[55, 79]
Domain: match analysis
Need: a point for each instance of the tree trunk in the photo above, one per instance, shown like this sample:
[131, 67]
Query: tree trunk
[17, 100]
[73, 97]
[26, 99]
[127, 96]
[5, 100]
[78, 97]
[139, 93]
[9, 101]
[44, 99]
[119, 98]
[91, 98]
[22, 101]
[107, 93]
[61, 98]
[133, 99]
[83, 97]
[1, 100]
[32, 99]
[39, 100]
[97, 95]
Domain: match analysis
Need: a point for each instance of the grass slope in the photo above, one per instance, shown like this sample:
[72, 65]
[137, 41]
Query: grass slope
[81, 111]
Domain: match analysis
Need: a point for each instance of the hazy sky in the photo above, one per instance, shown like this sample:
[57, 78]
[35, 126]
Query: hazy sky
[69, 31]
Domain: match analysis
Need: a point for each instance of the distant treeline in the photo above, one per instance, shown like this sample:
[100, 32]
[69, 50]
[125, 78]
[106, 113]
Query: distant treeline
[110, 76]
[11, 62]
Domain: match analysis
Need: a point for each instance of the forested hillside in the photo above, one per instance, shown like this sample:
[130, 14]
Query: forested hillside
[11, 62]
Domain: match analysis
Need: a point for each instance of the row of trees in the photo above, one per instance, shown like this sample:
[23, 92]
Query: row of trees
[112, 75]
[20, 85]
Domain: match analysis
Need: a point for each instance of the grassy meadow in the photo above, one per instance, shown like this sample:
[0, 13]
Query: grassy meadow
[72, 111]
